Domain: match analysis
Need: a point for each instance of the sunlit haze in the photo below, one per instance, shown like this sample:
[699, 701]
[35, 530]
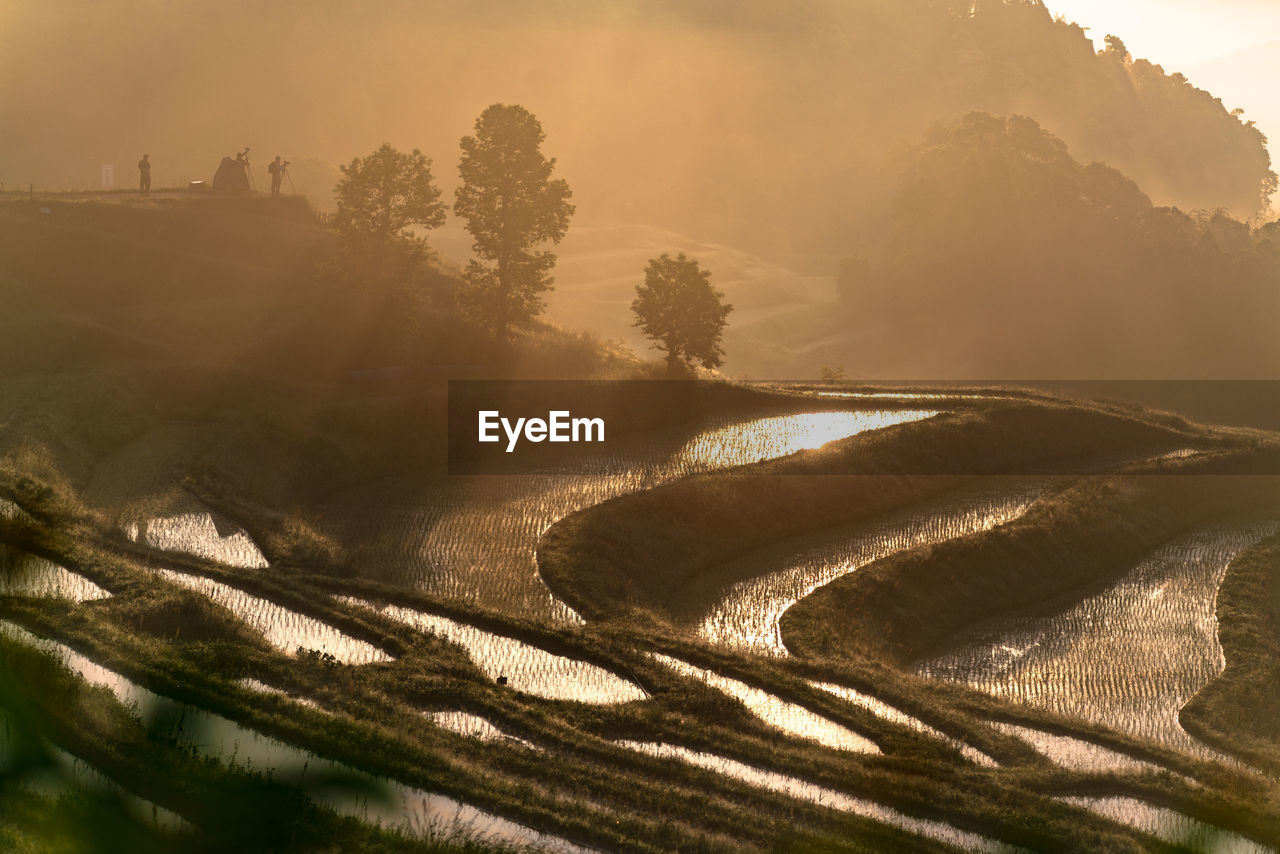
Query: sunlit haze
[1177, 34]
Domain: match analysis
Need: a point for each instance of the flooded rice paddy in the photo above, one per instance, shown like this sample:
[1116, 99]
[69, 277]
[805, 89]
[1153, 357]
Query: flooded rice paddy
[65, 772]
[198, 534]
[806, 791]
[472, 726]
[1075, 754]
[526, 667]
[475, 538]
[785, 715]
[1171, 826]
[328, 783]
[748, 613]
[1128, 657]
[889, 713]
[260, 687]
[286, 630]
[23, 574]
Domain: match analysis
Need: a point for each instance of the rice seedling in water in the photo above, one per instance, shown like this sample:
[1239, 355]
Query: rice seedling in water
[23, 574]
[476, 538]
[1076, 754]
[889, 713]
[748, 614]
[197, 534]
[284, 629]
[465, 723]
[804, 790]
[263, 688]
[474, 726]
[1169, 825]
[1129, 657]
[789, 717]
[525, 667]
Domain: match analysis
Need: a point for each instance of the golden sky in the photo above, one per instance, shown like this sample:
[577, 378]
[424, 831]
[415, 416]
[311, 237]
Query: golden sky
[1177, 34]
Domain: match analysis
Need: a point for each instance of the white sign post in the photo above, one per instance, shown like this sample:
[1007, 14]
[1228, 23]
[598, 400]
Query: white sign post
[108, 176]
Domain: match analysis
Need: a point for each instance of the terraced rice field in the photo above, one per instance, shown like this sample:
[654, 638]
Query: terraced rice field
[784, 715]
[1129, 657]
[747, 616]
[28, 575]
[797, 788]
[523, 666]
[358, 794]
[476, 538]
[1170, 826]
[284, 629]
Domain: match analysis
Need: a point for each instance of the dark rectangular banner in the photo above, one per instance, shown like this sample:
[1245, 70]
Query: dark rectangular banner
[594, 427]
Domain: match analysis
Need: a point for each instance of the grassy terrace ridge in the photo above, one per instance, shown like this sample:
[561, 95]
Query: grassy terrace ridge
[670, 549]
[1240, 710]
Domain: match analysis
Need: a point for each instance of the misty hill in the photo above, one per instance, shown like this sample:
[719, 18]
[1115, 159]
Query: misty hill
[1004, 256]
[1246, 77]
[749, 123]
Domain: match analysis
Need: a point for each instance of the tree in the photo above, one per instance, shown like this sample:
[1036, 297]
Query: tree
[677, 308]
[1116, 49]
[381, 198]
[511, 205]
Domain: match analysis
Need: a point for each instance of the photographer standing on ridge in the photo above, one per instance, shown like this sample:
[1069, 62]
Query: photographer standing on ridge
[277, 169]
[144, 175]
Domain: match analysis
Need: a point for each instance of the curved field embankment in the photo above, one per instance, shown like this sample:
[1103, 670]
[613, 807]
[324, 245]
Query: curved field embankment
[672, 549]
[908, 604]
[1241, 708]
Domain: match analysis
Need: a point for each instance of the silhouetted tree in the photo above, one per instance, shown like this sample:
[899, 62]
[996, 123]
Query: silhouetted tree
[511, 205]
[1116, 49]
[677, 308]
[381, 198]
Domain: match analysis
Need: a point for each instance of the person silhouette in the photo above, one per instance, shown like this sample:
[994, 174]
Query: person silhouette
[276, 168]
[144, 175]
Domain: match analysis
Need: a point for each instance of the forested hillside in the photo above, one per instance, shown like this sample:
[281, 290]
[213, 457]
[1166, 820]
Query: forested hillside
[762, 125]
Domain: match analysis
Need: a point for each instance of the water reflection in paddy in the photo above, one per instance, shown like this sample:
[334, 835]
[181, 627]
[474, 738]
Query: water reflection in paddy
[804, 790]
[475, 538]
[1129, 657]
[748, 614]
[66, 773]
[331, 784]
[1171, 826]
[785, 715]
[258, 686]
[465, 723]
[527, 668]
[23, 574]
[284, 629]
[475, 726]
[198, 534]
[1075, 754]
[889, 713]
